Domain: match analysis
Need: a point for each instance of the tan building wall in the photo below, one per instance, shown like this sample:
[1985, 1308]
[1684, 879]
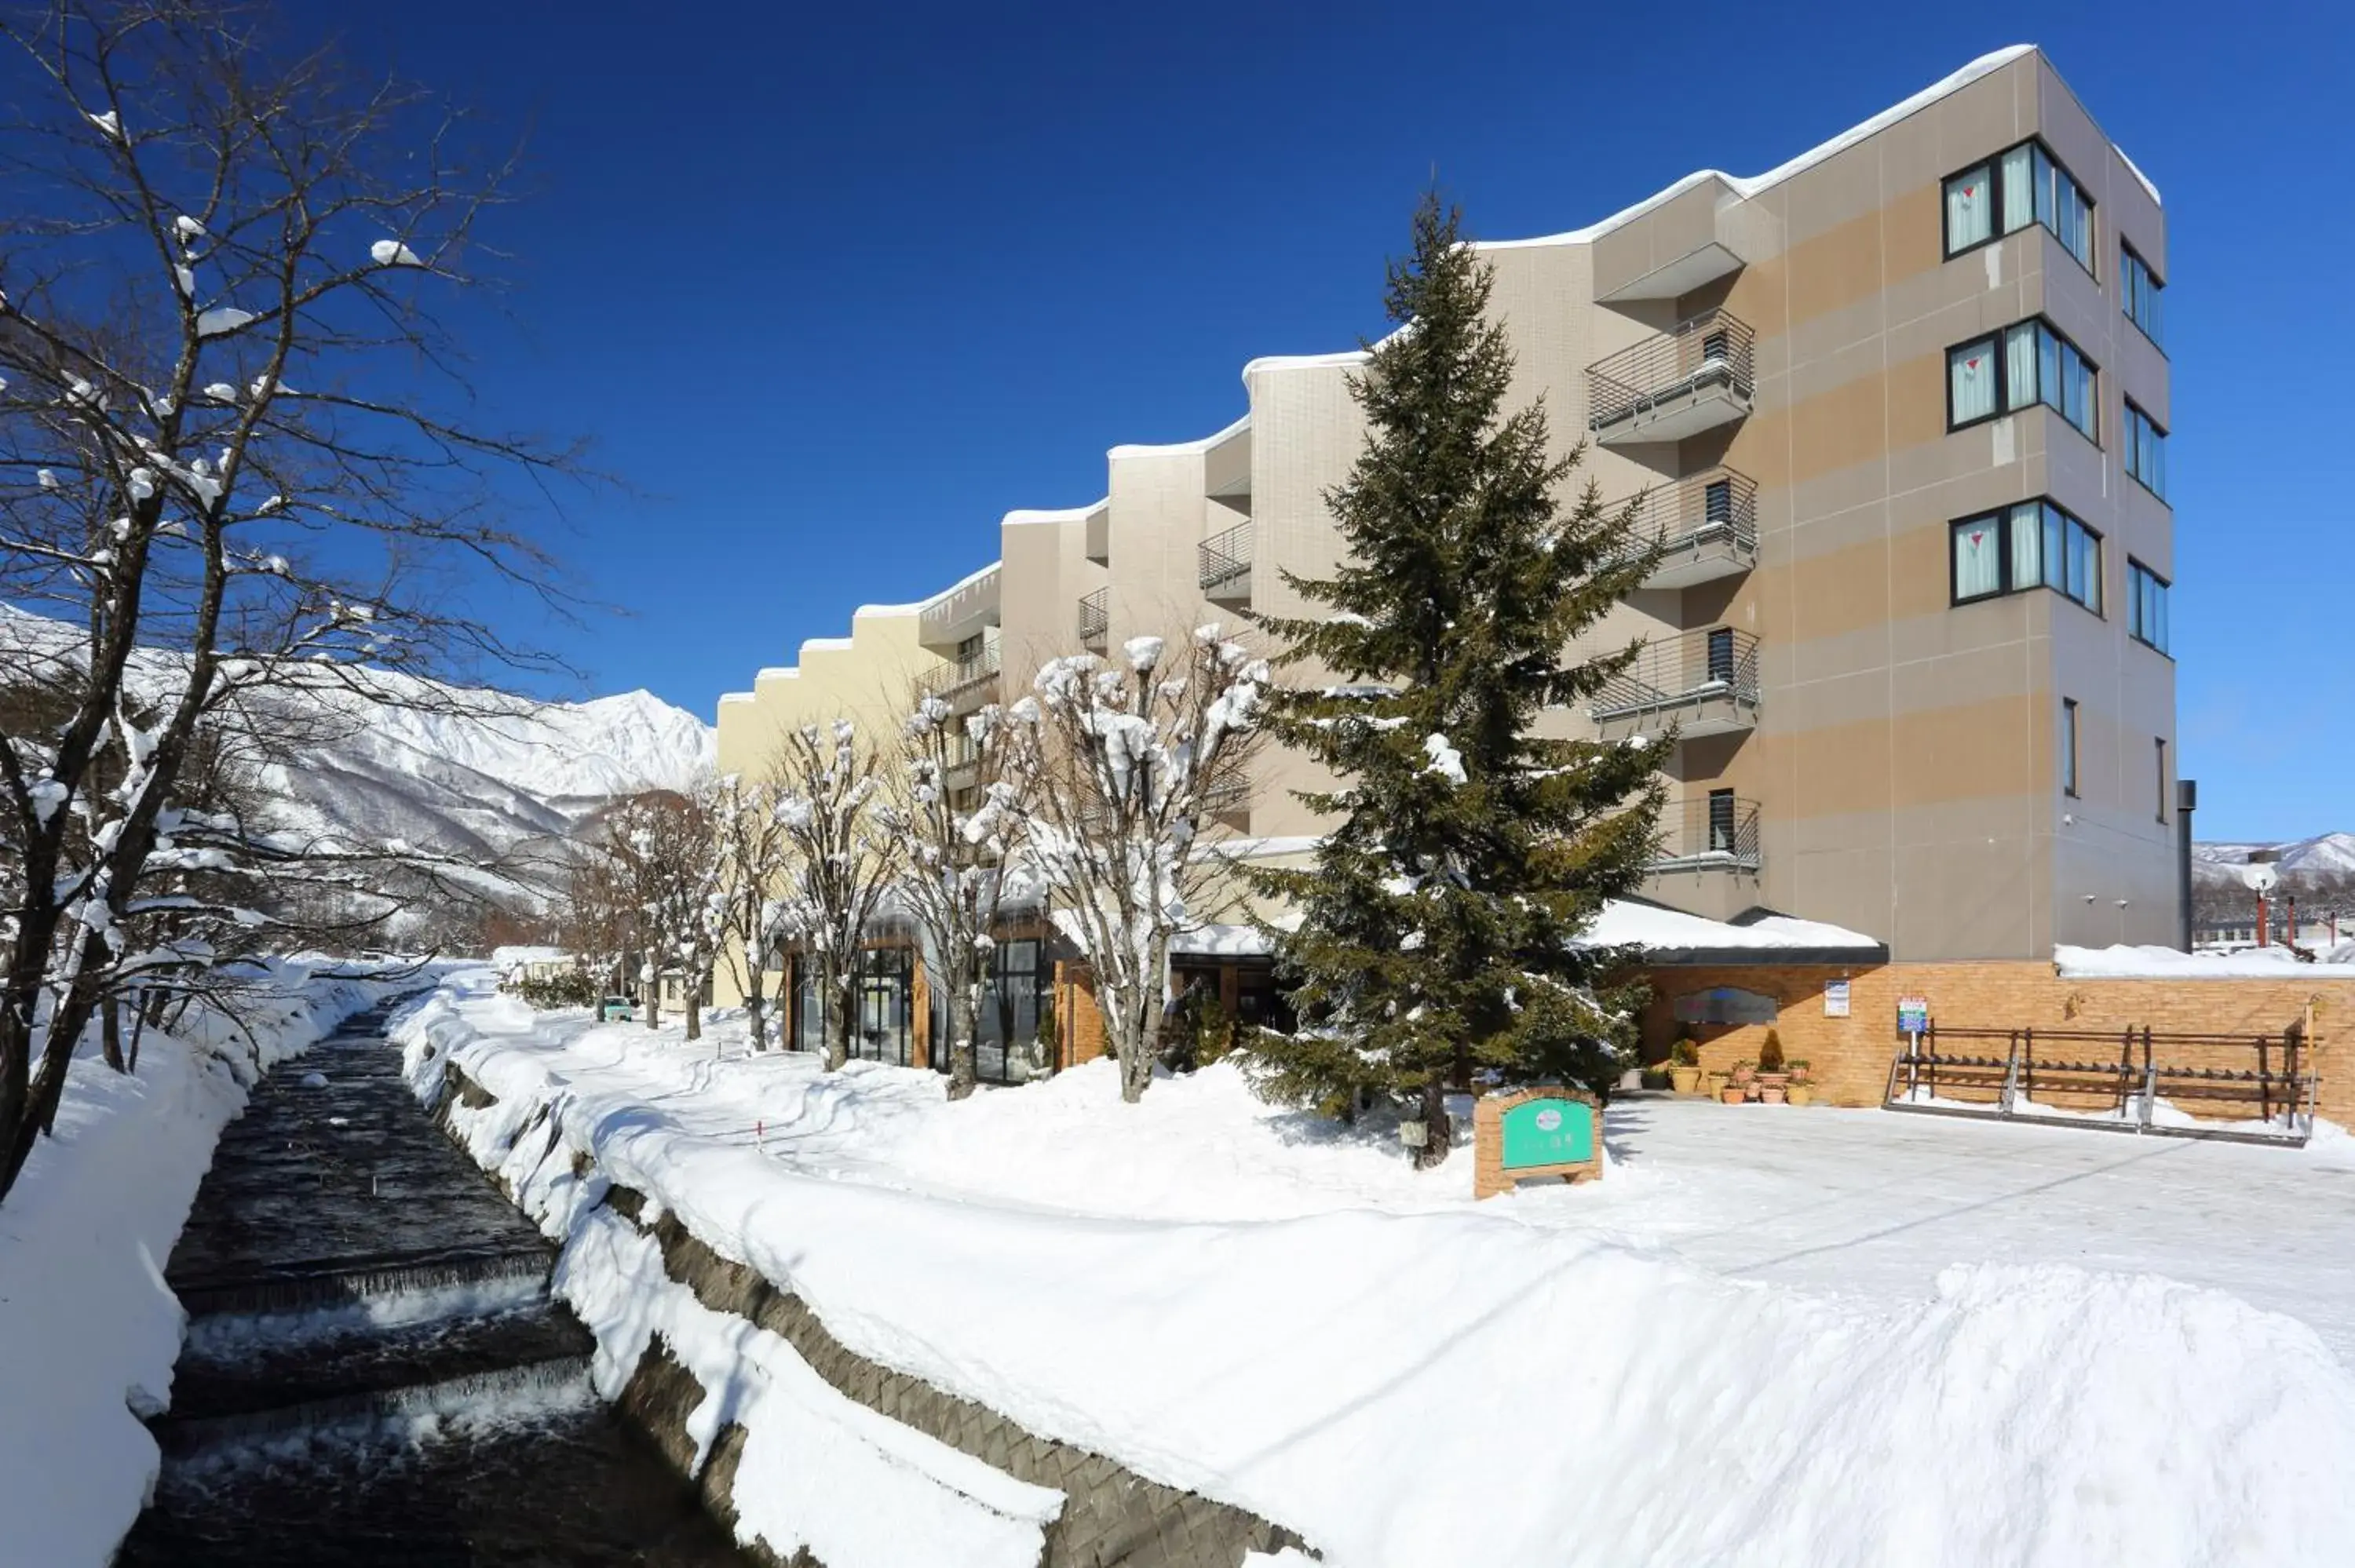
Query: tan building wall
[1901, 752]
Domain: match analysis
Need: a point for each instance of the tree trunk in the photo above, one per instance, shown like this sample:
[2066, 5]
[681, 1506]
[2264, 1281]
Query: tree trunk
[837, 1018]
[138, 1028]
[652, 985]
[1438, 1135]
[693, 985]
[964, 1019]
[756, 1014]
[1131, 1035]
[109, 1035]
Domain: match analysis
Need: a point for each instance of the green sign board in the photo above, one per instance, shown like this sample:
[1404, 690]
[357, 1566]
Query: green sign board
[1548, 1132]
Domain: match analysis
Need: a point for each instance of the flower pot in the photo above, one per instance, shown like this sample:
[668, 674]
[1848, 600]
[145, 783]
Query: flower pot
[1687, 1080]
[1772, 1093]
[1775, 1080]
[1733, 1093]
[1801, 1093]
[1743, 1075]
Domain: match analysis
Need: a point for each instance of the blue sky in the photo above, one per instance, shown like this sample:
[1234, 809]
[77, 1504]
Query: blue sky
[833, 288]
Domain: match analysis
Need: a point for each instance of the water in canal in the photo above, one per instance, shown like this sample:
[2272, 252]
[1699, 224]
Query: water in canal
[373, 1371]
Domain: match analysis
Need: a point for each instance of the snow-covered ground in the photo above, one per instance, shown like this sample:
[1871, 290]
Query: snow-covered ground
[88, 1330]
[1770, 1335]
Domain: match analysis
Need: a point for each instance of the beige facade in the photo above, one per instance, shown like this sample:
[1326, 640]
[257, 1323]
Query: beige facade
[1766, 361]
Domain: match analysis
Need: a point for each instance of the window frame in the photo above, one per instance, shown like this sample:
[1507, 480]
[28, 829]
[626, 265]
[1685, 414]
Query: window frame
[1999, 346]
[2161, 741]
[2138, 623]
[2069, 751]
[2053, 555]
[2131, 444]
[2130, 262]
[1993, 163]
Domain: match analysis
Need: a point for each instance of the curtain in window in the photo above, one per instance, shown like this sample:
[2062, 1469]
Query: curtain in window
[1970, 208]
[2020, 365]
[2056, 528]
[1970, 373]
[2018, 189]
[1978, 558]
[2042, 183]
[2027, 527]
[2076, 222]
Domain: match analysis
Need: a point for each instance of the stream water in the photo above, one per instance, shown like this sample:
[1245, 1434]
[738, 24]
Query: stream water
[373, 1370]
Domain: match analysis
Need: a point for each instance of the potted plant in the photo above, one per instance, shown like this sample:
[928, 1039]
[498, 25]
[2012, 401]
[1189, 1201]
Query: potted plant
[1684, 1064]
[1733, 1093]
[1743, 1084]
[1773, 1077]
[1745, 1073]
[1802, 1090]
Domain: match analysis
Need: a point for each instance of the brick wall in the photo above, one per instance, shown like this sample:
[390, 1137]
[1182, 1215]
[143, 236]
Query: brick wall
[1079, 1022]
[1849, 1056]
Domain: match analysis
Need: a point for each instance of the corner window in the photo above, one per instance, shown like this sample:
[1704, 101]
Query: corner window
[2032, 545]
[2021, 366]
[2069, 745]
[2009, 192]
[2146, 605]
[2146, 451]
[2140, 291]
[2162, 778]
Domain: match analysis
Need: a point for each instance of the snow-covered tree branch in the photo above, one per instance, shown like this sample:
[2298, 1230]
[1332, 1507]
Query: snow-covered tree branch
[844, 859]
[1131, 760]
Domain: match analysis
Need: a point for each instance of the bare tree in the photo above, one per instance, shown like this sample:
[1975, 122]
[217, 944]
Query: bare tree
[844, 859]
[1131, 761]
[755, 859]
[959, 801]
[231, 432]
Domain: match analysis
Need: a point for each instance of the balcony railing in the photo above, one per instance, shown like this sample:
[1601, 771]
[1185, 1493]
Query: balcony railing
[1712, 831]
[965, 682]
[1095, 619]
[1705, 527]
[1223, 565]
[1675, 384]
[1702, 682]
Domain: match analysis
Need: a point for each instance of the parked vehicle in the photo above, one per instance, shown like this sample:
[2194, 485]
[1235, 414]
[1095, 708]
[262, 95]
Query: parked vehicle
[617, 1010]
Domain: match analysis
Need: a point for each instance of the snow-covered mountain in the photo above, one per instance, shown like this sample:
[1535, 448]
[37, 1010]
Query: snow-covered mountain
[2326, 855]
[483, 775]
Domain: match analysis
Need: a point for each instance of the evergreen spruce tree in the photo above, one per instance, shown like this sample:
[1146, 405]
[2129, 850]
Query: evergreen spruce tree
[1434, 945]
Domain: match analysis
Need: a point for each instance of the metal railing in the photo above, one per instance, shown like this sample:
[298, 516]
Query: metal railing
[1715, 661]
[1223, 564]
[1710, 350]
[959, 678]
[1095, 617]
[1718, 506]
[1706, 831]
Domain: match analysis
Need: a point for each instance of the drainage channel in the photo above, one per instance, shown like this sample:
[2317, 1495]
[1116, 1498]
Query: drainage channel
[373, 1370]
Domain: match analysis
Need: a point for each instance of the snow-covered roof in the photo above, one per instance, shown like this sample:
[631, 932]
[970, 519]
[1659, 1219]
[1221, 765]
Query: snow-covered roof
[2122, 962]
[965, 581]
[777, 672]
[1303, 361]
[1020, 516]
[1755, 183]
[886, 612]
[1175, 449]
[728, 697]
[1669, 933]
[823, 645]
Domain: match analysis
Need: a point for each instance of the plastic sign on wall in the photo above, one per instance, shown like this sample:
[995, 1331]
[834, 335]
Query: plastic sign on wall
[1725, 1004]
[1912, 1015]
[1836, 999]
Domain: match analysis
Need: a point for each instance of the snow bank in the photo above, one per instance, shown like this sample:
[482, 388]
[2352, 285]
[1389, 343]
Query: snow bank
[88, 1330]
[2122, 962]
[1463, 1386]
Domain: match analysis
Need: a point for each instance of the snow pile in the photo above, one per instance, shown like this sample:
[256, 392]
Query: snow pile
[1452, 1385]
[2124, 962]
[88, 1330]
[1626, 922]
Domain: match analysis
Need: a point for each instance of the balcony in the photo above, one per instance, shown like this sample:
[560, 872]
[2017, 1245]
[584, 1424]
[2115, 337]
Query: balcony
[1706, 527]
[1708, 846]
[1672, 385]
[1222, 563]
[965, 684]
[1699, 683]
[969, 608]
[1095, 619]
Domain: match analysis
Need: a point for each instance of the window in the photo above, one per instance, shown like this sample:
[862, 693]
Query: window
[2146, 605]
[2016, 368]
[2162, 744]
[2032, 545]
[2141, 292]
[2069, 745]
[1716, 501]
[2006, 193]
[2146, 451]
[1722, 835]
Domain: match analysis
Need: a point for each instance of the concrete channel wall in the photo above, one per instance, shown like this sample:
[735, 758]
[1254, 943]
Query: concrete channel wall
[1112, 1518]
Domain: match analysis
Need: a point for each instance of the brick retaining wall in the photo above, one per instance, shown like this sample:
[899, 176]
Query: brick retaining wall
[1849, 1056]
